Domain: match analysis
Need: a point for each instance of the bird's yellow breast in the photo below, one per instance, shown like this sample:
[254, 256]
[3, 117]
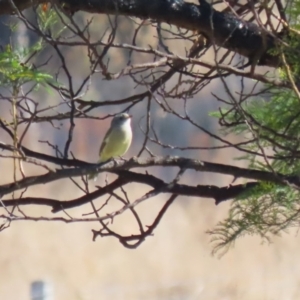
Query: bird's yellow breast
[116, 143]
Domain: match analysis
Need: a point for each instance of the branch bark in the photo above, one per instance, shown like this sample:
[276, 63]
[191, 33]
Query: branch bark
[219, 194]
[120, 167]
[117, 166]
[222, 28]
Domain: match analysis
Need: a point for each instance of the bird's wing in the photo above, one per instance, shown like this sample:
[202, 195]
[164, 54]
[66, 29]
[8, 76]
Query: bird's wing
[105, 141]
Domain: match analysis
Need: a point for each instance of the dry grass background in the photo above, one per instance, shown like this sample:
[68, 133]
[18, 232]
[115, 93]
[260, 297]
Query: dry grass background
[175, 263]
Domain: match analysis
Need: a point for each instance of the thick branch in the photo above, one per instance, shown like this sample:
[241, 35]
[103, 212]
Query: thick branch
[220, 194]
[224, 29]
[116, 166]
[84, 168]
[58, 205]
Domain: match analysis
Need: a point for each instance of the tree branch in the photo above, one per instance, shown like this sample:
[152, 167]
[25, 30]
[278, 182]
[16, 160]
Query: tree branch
[222, 28]
[220, 194]
[117, 166]
[134, 240]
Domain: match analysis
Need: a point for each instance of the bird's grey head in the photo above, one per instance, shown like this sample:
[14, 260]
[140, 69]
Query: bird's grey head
[120, 119]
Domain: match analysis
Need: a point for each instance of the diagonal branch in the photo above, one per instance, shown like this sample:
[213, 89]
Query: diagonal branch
[134, 240]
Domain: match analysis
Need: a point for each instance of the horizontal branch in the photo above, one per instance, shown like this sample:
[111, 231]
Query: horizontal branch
[224, 29]
[115, 166]
[120, 167]
[220, 194]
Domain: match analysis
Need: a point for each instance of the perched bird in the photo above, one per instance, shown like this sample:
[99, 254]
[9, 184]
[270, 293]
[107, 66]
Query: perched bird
[117, 139]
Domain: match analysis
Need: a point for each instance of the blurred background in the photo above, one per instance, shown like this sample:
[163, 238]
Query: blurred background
[176, 262]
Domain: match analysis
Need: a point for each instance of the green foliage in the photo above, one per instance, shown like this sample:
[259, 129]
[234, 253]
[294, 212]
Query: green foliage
[15, 71]
[16, 66]
[291, 52]
[271, 125]
[264, 211]
[49, 22]
[293, 10]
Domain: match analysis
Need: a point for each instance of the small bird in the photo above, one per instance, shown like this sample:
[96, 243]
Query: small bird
[117, 139]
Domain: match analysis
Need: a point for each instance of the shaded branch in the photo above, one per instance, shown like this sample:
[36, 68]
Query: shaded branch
[115, 166]
[222, 28]
[85, 168]
[58, 205]
[220, 194]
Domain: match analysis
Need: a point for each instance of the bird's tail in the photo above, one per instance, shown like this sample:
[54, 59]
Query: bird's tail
[94, 175]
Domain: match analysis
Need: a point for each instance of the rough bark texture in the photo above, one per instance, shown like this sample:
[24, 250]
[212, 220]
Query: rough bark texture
[224, 29]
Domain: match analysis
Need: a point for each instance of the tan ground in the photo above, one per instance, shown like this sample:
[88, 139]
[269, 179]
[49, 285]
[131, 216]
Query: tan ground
[173, 264]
